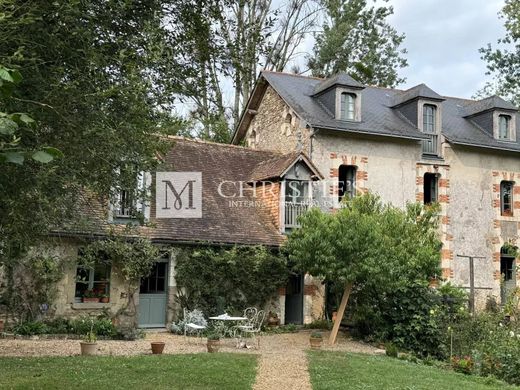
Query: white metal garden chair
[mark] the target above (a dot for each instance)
(193, 323)
(253, 329)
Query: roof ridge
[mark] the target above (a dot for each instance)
(213, 143)
(294, 74)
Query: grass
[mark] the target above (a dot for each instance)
(194, 371)
(339, 370)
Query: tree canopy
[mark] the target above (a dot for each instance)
(368, 243)
(92, 73)
(358, 39)
(504, 62)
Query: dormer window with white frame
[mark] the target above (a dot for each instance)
(430, 127)
(347, 106)
(125, 206)
(504, 127)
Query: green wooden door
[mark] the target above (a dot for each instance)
(153, 295)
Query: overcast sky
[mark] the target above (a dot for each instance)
(443, 38)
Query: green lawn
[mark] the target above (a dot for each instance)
(338, 370)
(197, 371)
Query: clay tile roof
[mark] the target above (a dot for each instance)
(222, 222)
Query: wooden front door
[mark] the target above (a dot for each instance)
(153, 297)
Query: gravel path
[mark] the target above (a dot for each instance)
(282, 361)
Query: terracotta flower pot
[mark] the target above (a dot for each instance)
(334, 316)
(1, 326)
(90, 300)
(104, 300)
(157, 347)
(88, 349)
(315, 342)
(213, 345)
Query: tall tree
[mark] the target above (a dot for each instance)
(367, 245)
(358, 39)
(504, 63)
(228, 43)
(92, 73)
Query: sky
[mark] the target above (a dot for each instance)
(443, 38)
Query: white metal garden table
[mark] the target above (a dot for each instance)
(226, 318)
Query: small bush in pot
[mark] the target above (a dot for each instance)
(90, 297)
(213, 342)
(316, 340)
(89, 344)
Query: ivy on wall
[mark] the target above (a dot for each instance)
(132, 259)
(217, 280)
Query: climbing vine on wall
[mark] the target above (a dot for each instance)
(133, 259)
(228, 279)
(31, 284)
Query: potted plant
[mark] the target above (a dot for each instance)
(157, 347)
(213, 342)
(104, 298)
(273, 319)
(89, 343)
(316, 339)
(90, 296)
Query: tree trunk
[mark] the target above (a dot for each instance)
(341, 312)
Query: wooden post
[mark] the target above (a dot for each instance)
(341, 312)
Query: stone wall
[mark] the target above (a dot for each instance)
(277, 127)
(475, 224)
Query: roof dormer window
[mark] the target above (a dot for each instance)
(504, 127)
(348, 106)
(429, 112)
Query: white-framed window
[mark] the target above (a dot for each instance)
(504, 127)
(429, 113)
(92, 282)
(506, 198)
(126, 206)
(347, 106)
(431, 145)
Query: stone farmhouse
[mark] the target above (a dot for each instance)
(312, 141)
(235, 211)
(407, 146)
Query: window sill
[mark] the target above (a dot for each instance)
(91, 306)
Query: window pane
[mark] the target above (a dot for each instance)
(296, 191)
(429, 118)
(503, 127)
(506, 197)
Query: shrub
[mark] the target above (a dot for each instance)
(415, 317)
(240, 277)
(101, 326)
(30, 328)
(391, 350)
(316, 335)
(319, 324)
(462, 364)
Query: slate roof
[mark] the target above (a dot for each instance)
(419, 91)
(338, 79)
(379, 118)
(489, 103)
(221, 222)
